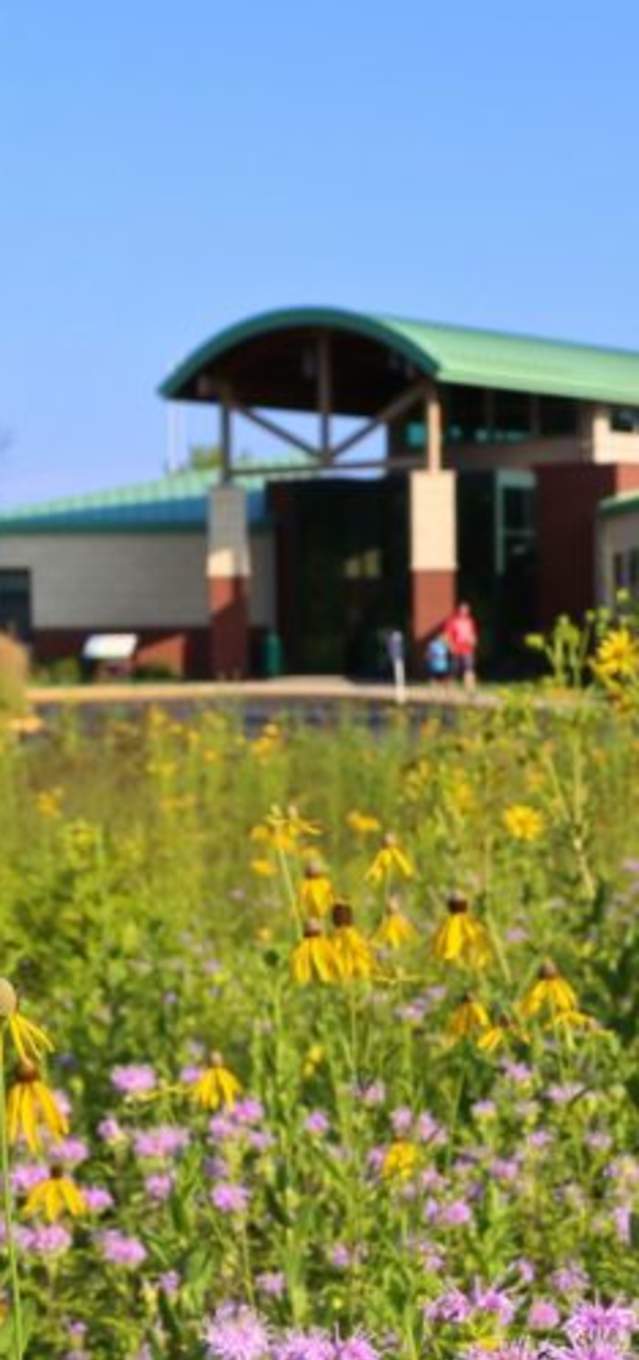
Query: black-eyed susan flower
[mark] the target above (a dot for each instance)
(468, 1018)
(216, 1086)
(32, 1107)
(400, 1160)
(30, 1041)
(551, 993)
(390, 859)
(316, 891)
(362, 823)
(394, 930)
(314, 958)
(353, 954)
(56, 1196)
(461, 938)
(500, 1032)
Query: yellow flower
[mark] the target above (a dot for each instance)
(316, 892)
(216, 1086)
(55, 1196)
(395, 930)
(30, 1041)
(617, 656)
(468, 1017)
(30, 1106)
(461, 938)
(400, 1160)
(48, 802)
(291, 823)
(266, 835)
(312, 1061)
(551, 993)
(263, 867)
(523, 822)
(497, 1034)
(314, 959)
(362, 823)
(389, 858)
(353, 954)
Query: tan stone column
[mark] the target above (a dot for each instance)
(228, 575)
(433, 555)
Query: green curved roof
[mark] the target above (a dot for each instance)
(452, 354)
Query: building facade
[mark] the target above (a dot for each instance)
(505, 462)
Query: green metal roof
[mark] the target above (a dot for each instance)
(452, 354)
(174, 504)
(619, 505)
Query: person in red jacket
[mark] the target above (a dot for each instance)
(462, 638)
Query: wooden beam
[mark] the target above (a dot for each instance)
(394, 408)
(279, 431)
(403, 464)
(433, 428)
(226, 436)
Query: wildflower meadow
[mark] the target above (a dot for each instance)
(319, 1044)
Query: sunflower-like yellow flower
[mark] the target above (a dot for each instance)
(31, 1106)
(30, 1041)
(55, 1196)
(499, 1033)
(263, 867)
(523, 823)
(316, 891)
(400, 1160)
(390, 858)
(276, 838)
(461, 938)
(394, 930)
(617, 656)
(290, 822)
(362, 823)
(551, 993)
(468, 1018)
(216, 1086)
(353, 954)
(314, 1058)
(314, 958)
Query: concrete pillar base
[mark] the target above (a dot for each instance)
(228, 577)
(433, 556)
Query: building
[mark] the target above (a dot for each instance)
(507, 476)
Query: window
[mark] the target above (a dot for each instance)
(364, 566)
(625, 419)
(557, 415)
(15, 601)
(619, 567)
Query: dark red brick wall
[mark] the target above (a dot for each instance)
(567, 501)
(432, 602)
(186, 651)
(228, 603)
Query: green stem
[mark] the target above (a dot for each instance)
(18, 1334)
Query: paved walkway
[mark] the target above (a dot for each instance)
(296, 689)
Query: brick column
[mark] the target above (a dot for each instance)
(228, 578)
(433, 555)
(567, 499)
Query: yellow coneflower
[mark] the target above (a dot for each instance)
(400, 1160)
(570, 1020)
(30, 1041)
(313, 1059)
(390, 858)
(394, 930)
(468, 1017)
(353, 954)
(362, 823)
(499, 1033)
(216, 1086)
(263, 867)
(290, 822)
(278, 839)
(55, 1196)
(551, 993)
(314, 958)
(461, 938)
(32, 1106)
(316, 891)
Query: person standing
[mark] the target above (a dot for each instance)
(462, 637)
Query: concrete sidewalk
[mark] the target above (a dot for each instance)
(294, 688)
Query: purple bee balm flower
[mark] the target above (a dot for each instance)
(539, 1138)
(305, 1346)
(562, 1095)
(341, 1256)
(63, 1103)
(23, 1178)
(248, 1111)
(169, 1283)
(504, 1169)
(190, 1074)
(163, 1141)
(569, 1279)
(622, 1219)
(134, 1079)
(121, 1250)
(159, 1186)
(221, 1127)
(453, 1306)
(356, 1348)
(495, 1302)
(49, 1240)
(484, 1109)
(600, 1322)
(71, 1151)
(230, 1198)
(97, 1198)
(260, 1139)
(427, 1127)
(271, 1283)
(516, 1071)
(110, 1131)
(375, 1094)
(236, 1334)
(543, 1316)
(401, 1119)
(316, 1122)
(455, 1215)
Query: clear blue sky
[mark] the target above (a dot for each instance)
(166, 169)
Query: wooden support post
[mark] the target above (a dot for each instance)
(226, 436)
(433, 428)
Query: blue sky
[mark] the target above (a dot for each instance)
(167, 169)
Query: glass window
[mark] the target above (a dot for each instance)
(557, 415)
(15, 601)
(619, 570)
(624, 419)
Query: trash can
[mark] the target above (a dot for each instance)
(272, 657)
